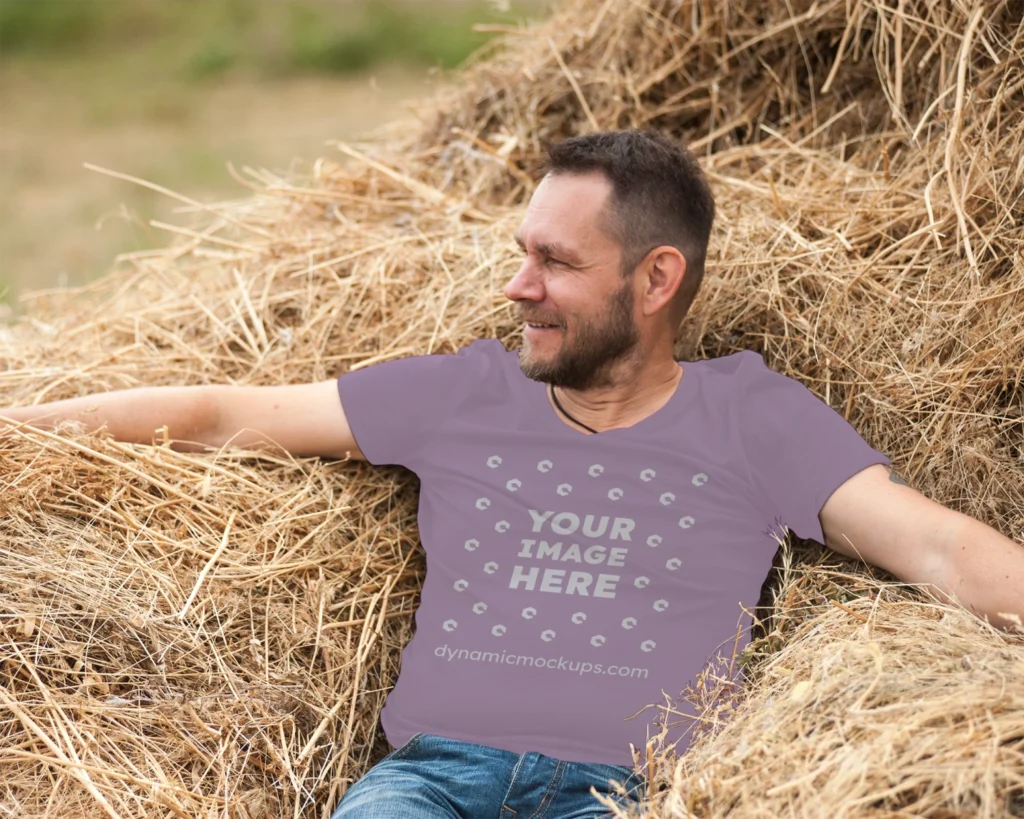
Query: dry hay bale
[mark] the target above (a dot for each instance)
(884, 705)
(214, 635)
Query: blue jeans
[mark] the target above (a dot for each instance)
(432, 777)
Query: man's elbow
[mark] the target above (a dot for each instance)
(985, 573)
(200, 426)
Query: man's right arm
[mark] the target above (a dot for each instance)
(301, 419)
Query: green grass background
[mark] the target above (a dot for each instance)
(199, 39)
(170, 90)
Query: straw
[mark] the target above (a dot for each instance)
(189, 634)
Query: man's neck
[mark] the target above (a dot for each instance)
(625, 403)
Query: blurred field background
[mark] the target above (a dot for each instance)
(169, 91)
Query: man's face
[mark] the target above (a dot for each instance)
(570, 278)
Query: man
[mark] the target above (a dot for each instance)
(594, 513)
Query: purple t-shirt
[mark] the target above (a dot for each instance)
(572, 578)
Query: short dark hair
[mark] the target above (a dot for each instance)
(659, 197)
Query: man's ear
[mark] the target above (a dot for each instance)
(663, 270)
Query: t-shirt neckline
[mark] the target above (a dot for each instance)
(537, 392)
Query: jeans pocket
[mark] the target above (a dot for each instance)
(404, 749)
(636, 786)
(633, 781)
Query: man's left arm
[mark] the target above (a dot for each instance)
(877, 517)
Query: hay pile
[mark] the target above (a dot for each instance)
(214, 635)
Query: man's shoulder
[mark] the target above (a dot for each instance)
(490, 347)
(745, 374)
(731, 364)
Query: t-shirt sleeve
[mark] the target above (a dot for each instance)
(395, 408)
(798, 449)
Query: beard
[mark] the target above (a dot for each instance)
(595, 349)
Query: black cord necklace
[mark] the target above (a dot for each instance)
(554, 397)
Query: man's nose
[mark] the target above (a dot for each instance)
(525, 285)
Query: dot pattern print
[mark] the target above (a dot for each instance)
(516, 550)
